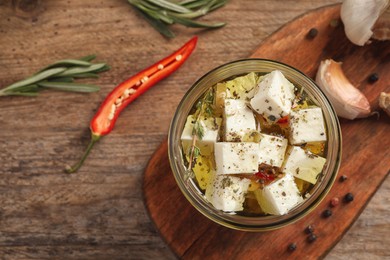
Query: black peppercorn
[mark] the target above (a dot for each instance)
(292, 247)
(327, 213)
(373, 78)
(348, 197)
(309, 229)
(312, 33)
(311, 238)
(272, 118)
(343, 178)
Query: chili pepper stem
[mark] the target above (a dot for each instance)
(74, 168)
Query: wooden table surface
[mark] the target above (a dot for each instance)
(99, 212)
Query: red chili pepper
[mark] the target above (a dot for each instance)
(283, 120)
(265, 176)
(104, 120)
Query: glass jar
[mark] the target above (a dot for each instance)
(196, 196)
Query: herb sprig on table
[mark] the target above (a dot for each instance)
(162, 13)
(59, 76)
(204, 108)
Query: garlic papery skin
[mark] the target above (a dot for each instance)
(360, 16)
(347, 100)
(384, 102)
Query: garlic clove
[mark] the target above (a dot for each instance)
(384, 102)
(347, 100)
(360, 16)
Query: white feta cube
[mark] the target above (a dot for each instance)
(227, 193)
(233, 158)
(239, 120)
(279, 197)
(272, 150)
(273, 96)
(303, 164)
(211, 128)
(307, 125)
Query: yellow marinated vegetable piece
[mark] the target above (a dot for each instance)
(261, 200)
(316, 147)
(251, 205)
(301, 105)
(237, 88)
(253, 137)
(253, 186)
(203, 170)
(302, 185)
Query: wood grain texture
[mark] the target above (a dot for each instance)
(192, 236)
(99, 213)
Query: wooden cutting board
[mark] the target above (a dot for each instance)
(365, 159)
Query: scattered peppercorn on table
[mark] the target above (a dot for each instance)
(99, 212)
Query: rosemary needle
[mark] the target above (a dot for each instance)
(204, 108)
(59, 75)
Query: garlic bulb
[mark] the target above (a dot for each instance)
(347, 100)
(384, 102)
(360, 17)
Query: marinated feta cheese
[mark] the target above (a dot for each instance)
(272, 150)
(232, 158)
(279, 197)
(210, 128)
(248, 162)
(239, 120)
(307, 125)
(273, 96)
(227, 193)
(303, 164)
(237, 88)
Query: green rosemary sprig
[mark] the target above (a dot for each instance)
(204, 108)
(162, 13)
(59, 76)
